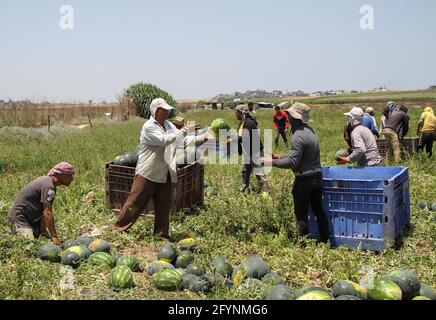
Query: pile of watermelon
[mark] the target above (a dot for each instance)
(430, 205)
(95, 252)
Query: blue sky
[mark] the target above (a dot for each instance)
(199, 48)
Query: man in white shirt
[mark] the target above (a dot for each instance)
(156, 169)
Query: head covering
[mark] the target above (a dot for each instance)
(277, 107)
(429, 110)
(62, 167)
(404, 108)
(241, 108)
(369, 110)
(159, 103)
(300, 111)
(356, 115)
(391, 106)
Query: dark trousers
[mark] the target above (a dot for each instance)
(307, 191)
(280, 132)
(142, 191)
(426, 140)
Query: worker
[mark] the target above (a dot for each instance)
(32, 213)
(304, 161)
(281, 125)
(427, 131)
(396, 128)
(369, 121)
(364, 146)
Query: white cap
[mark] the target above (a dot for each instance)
(369, 110)
(355, 113)
(159, 103)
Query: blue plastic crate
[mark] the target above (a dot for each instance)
(367, 207)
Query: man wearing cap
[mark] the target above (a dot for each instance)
(32, 215)
(281, 125)
(396, 128)
(251, 148)
(369, 121)
(364, 146)
(156, 169)
(304, 161)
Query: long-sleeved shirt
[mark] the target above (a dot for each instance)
(281, 120)
(369, 122)
(428, 121)
(365, 150)
(304, 154)
(157, 153)
(399, 122)
(249, 142)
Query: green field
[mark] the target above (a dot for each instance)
(231, 225)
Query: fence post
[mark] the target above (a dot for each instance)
(89, 119)
(48, 118)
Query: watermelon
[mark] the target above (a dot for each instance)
(278, 292)
(167, 279)
(427, 291)
(273, 279)
(50, 252)
(186, 280)
(407, 281)
(221, 266)
(121, 277)
(195, 269)
(218, 279)
(102, 259)
(115, 258)
(129, 261)
(217, 125)
(81, 250)
(100, 245)
(433, 206)
(188, 244)
(422, 204)
(85, 240)
(128, 159)
(253, 267)
(251, 284)
(157, 266)
(71, 259)
(308, 288)
(343, 153)
(384, 289)
(347, 297)
(315, 295)
(184, 259)
(349, 288)
(167, 253)
(200, 284)
(70, 243)
(421, 298)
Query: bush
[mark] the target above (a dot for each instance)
(142, 94)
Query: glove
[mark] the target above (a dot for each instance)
(342, 160)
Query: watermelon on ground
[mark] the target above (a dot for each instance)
(85, 240)
(184, 259)
(427, 291)
(102, 259)
(157, 266)
(195, 269)
(273, 279)
(71, 259)
(100, 245)
(384, 289)
(347, 297)
(308, 288)
(187, 244)
(121, 277)
(70, 243)
(278, 292)
(82, 250)
(167, 253)
(350, 288)
(50, 252)
(407, 281)
(167, 279)
(221, 266)
(315, 295)
(129, 261)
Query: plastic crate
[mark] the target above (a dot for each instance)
(409, 146)
(366, 207)
(187, 191)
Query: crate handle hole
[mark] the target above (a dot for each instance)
(386, 219)
(386, 199)
(386, 182)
